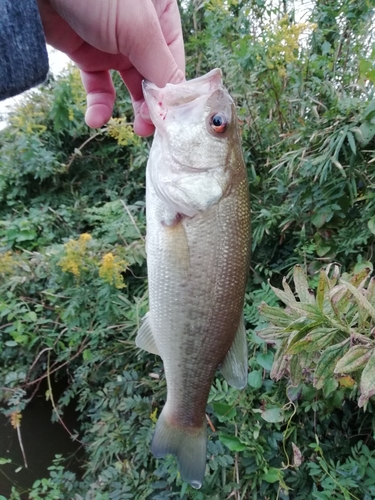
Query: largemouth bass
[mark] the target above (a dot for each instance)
(198, 247)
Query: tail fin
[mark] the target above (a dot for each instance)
(188, 445)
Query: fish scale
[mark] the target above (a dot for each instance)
(198, 250)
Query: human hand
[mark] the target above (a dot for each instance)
(141, 39)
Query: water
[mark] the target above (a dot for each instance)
(41, 439)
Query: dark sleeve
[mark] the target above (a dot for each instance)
(23, 52)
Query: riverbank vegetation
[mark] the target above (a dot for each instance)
(73, 282)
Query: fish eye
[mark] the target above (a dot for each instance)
(219, 123)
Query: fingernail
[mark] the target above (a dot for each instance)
(178, 77)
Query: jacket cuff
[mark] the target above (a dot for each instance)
(23, 52)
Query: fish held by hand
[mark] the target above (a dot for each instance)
(198, 252)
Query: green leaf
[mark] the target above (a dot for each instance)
(361, 299)
(302, 332)
(265, 360)
(272, 475)
(320, 218)
(364, 66)
(367, 384)
(300, 324)
(302, 285)
(326, 47)
(322, 247)
(11, 343)
(334, 276)
(316, 340)
(273, 415)
(329, 386)
(339, 166)
(284, 296)
(87, 355)
(369, 112)
(241, 47)
(20, 339)
(274, 314)
(327, 363)
(363, 264)
(32, 316)
(354, 359)
(371, 292)
(370, 75)
(294, 392)
(295, 370)
(340, 301)
(306, 359)
(351, 141)
(288, 290)
(4, 461)
(371, 225)
(254, 337)
(296, 307)
(255, 379)
(232, 442)
(272, 333)
(280, 362)
(183, 489)
(323, 285)
(224, 412)
(365, 132)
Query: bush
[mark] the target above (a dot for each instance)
(73, 277)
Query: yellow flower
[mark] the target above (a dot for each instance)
(7, 263)
(154, 416)
(75, 252)
(284, 43)
(15, 419)
(78, 94)
(111, 268)
(121, 131)
(26, 119)
(85, 237)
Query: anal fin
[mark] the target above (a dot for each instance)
(235, 365)
(145, 338)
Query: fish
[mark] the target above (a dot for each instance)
(198, 253)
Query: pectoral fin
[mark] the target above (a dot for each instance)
(234, 367)
(145, 339)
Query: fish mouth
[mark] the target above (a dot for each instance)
(148, 87)
(160, 100)
(196, 87)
